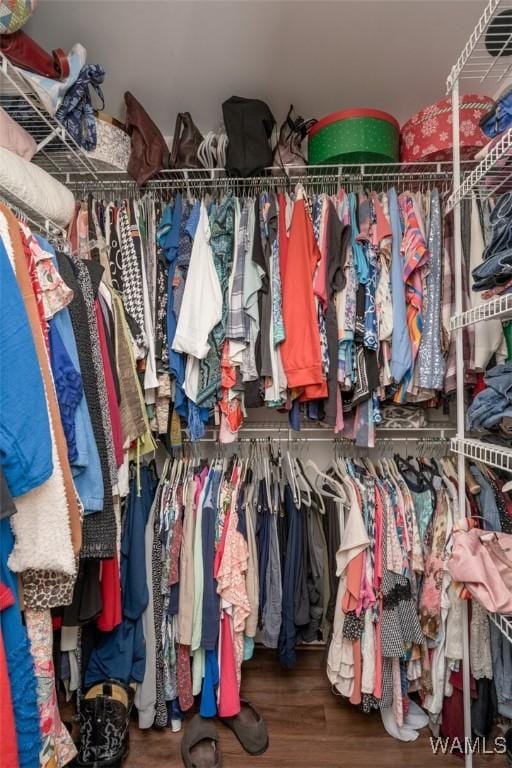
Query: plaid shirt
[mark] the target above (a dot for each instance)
(236, 326)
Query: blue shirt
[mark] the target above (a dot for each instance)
(401, 352)
(86, 467)
(25, 439)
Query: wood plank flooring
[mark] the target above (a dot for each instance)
(308, 727)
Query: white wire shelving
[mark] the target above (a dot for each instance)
(57, 152)
(499, 307)
(485, 59)
(493, 174)
(475, 62)
(366, 175)
(504, 624)
(488, 453)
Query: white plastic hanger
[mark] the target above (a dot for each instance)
(339, 494)
(303, 484)
(291, 478)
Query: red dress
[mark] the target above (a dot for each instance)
(8, 743)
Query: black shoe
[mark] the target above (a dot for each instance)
(104, 724)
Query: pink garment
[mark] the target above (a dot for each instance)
(113, 405)
(57, 747)
(367, 595)
(200, 481)
(480, 560)
(398, 709)
(219, 554)
(377, 565)
(229, 697)
(230, 572)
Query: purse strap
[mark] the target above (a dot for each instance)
(176, 139)
(61, 63)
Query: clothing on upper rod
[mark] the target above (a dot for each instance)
(321, 338)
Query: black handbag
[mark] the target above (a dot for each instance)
(249, 124)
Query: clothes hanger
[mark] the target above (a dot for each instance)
(448, 468)
(340, 494)
(393, 470)
(369, 465)
(303, 484)
(291, 478)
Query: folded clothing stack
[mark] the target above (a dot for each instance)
(495, 271)
(492, 407)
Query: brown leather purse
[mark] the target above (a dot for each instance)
(186, 141)
(24, 52)
(149, 152)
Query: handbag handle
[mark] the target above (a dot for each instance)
(176, 139)
(61, 63)
(99, 92)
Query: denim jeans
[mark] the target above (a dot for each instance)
(492, 404)
(496, 266)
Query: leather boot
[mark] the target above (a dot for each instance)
(104, 725)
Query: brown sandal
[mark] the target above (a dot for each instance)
(199, 745)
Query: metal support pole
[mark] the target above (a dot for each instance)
(459, 346)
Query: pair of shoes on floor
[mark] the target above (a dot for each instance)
(199, 745)
(104, 725)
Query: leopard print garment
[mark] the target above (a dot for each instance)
(47, 589)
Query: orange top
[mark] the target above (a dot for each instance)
(300, 351)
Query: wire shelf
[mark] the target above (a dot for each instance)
(487, 453)
(57, 152)
(475, 62)
(492, 175)
(500, 307)
(316, 177)
(504, 624)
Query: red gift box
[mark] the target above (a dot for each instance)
(427, 136)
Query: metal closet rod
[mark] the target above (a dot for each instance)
(337, 169)
(309, 175)
(306, 440)
(261, 183)
(45, 227)
(285, 430)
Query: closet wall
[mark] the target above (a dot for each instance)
(202, 52)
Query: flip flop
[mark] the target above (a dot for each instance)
(249, 728)
(199, 748)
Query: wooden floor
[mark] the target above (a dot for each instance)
(308, 727)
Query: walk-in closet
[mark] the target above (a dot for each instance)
(255, 383)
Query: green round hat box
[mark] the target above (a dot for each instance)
(354, 136)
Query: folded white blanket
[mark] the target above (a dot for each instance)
(36, 188)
